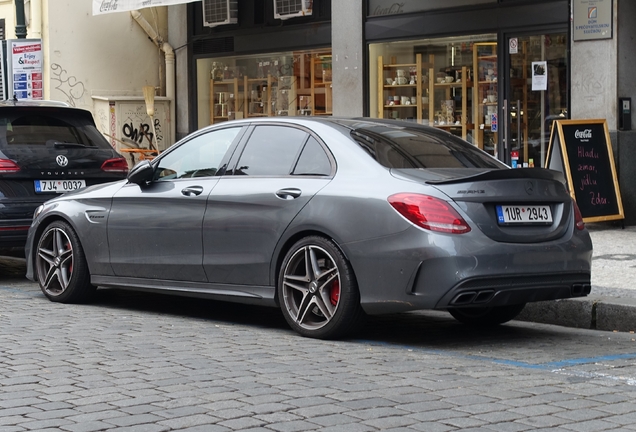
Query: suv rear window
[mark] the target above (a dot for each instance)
(50, 126)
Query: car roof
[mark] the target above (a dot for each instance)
(349, 123)
(33, 103)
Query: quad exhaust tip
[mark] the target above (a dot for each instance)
(473, 297)
(484, 296)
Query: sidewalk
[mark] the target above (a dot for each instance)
(612, 303)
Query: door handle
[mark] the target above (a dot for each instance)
(192, 191)
(288, 193)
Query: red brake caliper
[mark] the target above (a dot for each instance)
(335, 292)
(70, 269)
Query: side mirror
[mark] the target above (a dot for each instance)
(141, 173)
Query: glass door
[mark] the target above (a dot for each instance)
(536, 94)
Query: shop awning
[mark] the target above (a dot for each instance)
(108, 6)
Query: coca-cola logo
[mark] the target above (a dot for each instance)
(583, 134)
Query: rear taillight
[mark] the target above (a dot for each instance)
(115, 165)
(429, 213)
(8, 166)
(578, 218)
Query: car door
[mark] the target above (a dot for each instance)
(154, 230)
(279, 170)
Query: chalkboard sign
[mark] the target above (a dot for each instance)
(582, 150)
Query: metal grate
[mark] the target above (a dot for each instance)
(220, 12)
(211, 46)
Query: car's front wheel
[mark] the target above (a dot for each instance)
(61, 266)
(486, 315)
(317, 290)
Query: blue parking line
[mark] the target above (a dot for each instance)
(513, 363)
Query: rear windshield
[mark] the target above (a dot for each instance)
(419, 147)
(40, 126)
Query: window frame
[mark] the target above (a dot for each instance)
(233, 163)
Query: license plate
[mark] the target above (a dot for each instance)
(59, 186)
(524, 214)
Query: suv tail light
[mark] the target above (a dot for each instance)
(8, 166)
(578, 218)
(429, 213)
(115, 165)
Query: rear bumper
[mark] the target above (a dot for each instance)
(416, 270)
(500, 291)
(13, 233)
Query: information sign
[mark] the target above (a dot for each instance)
(24, 57)
(582, 150)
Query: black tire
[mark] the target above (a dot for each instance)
(60, 265)
(486, 315)
(318, 292)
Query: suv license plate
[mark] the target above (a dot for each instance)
(523, 214)
(59, 186)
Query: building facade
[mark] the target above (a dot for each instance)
(101, 63)
(498, 73)
(495, 72)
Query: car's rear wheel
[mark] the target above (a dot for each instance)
(486, 315)
(318, 291)
(61, 266)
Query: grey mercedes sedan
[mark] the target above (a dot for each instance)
(329, 219)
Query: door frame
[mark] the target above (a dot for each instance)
(504, 89)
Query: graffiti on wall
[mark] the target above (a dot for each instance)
(137, 127)
(72, 89)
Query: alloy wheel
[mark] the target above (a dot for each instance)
(311, 287)
(54, 261)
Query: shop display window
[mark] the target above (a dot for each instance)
(437, 82)
(264, 85)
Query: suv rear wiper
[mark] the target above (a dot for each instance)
(61, 144)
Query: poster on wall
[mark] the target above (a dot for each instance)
(110, 6)
(539, 76)
(592, 19)
(24, 59)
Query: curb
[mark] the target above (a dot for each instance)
(596, 313)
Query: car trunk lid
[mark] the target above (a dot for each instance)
(486, 195)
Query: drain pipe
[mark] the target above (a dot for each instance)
(20, 20)
(170, 66)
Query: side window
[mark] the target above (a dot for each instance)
(271, 151)
(199, 157)
(313, 160)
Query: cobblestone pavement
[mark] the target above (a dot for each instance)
(140, 362)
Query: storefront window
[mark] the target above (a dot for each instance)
(450, 83)
(276, 84)
(455, 84)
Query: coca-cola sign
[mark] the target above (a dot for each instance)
(583, 134)
(582, 150)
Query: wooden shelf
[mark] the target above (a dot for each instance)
(321, 92)
(224, 95)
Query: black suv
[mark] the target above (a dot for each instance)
(47, 148)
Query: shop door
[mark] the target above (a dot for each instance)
(536, 94)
